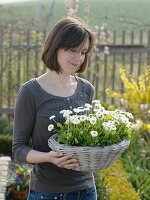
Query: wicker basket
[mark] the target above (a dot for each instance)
(90, 158)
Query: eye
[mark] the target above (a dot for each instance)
(72, 50)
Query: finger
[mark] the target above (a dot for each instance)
(64, 159)
(71, 161)
(71, 166)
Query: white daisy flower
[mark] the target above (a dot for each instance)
(77, 110)
(88, 105)
(130, 115)
(110, 122)
(96, 110)
(93, 120)
(113, 128)
(106, 128)
(66, 112)
(50, 127)
(83, 118)
(86, 109)
(97, 105)
(101, 108)
(94, 133)
(74, 117)
(99, 115)
(81, 107)
(124, 120)
(76, 121)
(129, 125)
(96, 101)
(67, 121)
(63, 111)
(52, 117)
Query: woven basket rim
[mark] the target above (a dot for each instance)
(105, 148)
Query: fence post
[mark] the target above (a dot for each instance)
(114, 66)
(1, 68)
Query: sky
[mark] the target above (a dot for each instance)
(13, 1)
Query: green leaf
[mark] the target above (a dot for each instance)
(59, 124)
(76, 141)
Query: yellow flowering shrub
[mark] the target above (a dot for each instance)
(136, 97)
(115, 180)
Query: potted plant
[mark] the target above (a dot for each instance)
(93, 135)
(18, 181)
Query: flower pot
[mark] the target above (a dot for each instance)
(20, 195)
(90, 158)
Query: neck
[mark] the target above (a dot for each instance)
(59, 79)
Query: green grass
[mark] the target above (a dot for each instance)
(101, 11)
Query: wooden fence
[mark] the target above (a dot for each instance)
(20, 61)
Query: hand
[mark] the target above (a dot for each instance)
(62, 161)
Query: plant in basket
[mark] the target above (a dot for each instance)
(99, 135)
(18, 182)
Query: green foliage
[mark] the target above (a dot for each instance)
(102, 190)
(111, 12)
(5, 126)
(115, 180)
(108, 106)
(136, 162)
(5, 144)
(92, 125)
(18, 179)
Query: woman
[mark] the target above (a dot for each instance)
(65, 52)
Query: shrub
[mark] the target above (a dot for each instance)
(5, 144)
(5, 126)
(137, 163)
(115, 180)
(136, 97)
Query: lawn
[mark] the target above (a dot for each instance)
(118, 14)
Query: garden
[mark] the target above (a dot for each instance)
(120, 73)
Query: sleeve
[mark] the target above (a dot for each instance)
(24, 119)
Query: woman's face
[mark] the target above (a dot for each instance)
(71, 59)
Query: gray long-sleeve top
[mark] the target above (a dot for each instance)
(33, 108)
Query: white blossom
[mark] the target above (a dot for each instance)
(88, 105)
(110, 122)
(94, 133)
(112, 127)
(99, 115)
(83, 118)
(86, 109)
(50, 127)
(97, 105)
(93, 120)
(77, 110)
(96, 101)
(52, 117)
(76, 121)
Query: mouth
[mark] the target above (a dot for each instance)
(74, 64)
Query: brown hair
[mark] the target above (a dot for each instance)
(66, 33)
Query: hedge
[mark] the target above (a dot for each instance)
(5, 144)
(116, 184)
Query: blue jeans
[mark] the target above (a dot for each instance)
(85, 194)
